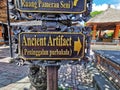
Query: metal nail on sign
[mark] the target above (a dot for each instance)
(51, 6)
(51, 45)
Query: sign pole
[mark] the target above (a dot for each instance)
(9, 31)
(52, 77)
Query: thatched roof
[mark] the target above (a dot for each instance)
(106, 20)
(3, 11)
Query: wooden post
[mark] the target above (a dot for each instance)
(94, 32)
(0, 31)
(52, 77)
(100, 33)
(1, 37)
(116, 32)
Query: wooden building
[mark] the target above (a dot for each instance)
(3, 21)
(107, 20)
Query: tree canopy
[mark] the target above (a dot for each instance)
(93, 14)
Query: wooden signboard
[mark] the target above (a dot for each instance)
(51, 6)
(51, 45)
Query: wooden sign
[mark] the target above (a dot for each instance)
(51, 45)
(51, 6)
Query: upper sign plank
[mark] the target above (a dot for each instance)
(51, 6)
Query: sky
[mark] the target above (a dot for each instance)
(99, 5)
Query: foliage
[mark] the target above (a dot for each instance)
(93, 14)
(61, 88)
(119, 34)
(110, 34)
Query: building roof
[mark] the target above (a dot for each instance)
(106, 20)
(108, 16)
